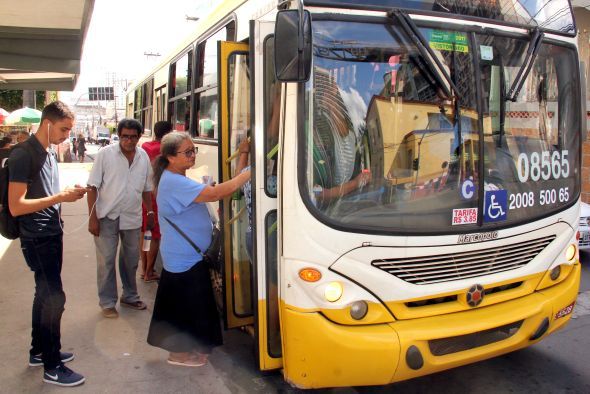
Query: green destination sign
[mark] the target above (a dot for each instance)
(448, 41)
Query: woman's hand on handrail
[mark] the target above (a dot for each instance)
(244, 149)
(222, 190)
(239, 150)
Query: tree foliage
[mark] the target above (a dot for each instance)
(52, 96)
(39, 99)
(11, 100)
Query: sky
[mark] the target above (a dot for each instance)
(122, 30)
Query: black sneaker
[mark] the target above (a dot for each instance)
(63, 376)
(37, 361)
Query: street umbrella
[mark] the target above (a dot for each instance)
(23, 116)
(3, 114)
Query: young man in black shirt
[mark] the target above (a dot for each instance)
(5, 145)
(34, 197)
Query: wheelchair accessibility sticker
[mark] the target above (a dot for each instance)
(496, 206)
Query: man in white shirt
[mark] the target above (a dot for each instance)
(120, 179)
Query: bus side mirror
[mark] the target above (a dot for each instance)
(293, 49)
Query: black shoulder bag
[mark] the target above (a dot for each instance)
(211, 255)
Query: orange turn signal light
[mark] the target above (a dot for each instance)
(310, 275)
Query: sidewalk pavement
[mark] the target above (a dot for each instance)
(114, 357)
(112, 354)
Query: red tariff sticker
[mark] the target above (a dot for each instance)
(464, 216)
(565, 311)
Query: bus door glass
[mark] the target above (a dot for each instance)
(266, 222)
(234, 95)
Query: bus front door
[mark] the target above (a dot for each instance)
(266, 120)
(260, 123)
(234, 121)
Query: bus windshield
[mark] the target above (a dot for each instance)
(385, 150)
(554, 15)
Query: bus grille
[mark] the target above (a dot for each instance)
(455, 266)
(441, 347)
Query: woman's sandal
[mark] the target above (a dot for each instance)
(193, 360)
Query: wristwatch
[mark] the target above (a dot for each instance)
(150, 213)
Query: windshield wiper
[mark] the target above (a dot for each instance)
(434, 65)
(525, 68)
(502, 102)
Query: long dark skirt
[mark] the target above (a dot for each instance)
(185, 315)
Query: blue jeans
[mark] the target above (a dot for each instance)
(107, 244)
(44, 256)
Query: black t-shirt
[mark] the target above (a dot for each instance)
(4, 153)
(45, 222)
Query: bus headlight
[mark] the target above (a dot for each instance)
(358, 310)
(570, 252)
(333, 291)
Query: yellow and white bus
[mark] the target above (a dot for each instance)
(416, 182)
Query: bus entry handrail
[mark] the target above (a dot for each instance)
(269, 155)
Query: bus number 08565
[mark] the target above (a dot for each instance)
(543, 166)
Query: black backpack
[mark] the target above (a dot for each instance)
(8, 223)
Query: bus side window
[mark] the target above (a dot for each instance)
(272, 110)
(180, 97)
(206, 89)
(147, 106)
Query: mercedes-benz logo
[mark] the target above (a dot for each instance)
(475, 295)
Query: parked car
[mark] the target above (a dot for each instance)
(114, 138)
(584, 243)
(103, 140)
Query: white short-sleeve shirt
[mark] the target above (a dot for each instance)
(120, 185)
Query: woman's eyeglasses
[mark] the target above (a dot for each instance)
(189, 152)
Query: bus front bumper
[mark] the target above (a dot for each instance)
(320, 353)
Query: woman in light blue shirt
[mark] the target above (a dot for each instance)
(185, 320)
